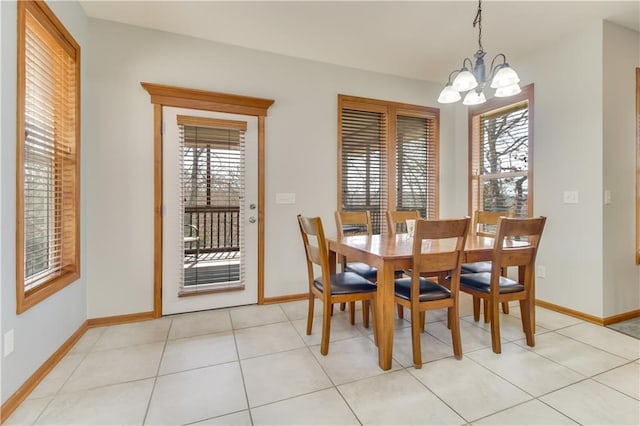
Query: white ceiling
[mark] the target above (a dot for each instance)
(417, 39)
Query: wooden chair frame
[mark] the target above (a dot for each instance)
(318, 254)
(505, 255)
(481, 218)
(399, 217)
(359, 218)
(436, 264)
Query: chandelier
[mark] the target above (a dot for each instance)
(472, 78)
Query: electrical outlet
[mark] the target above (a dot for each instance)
(541, 271)
(8, 343)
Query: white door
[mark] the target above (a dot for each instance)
(209, 251)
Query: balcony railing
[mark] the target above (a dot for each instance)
(218, 229)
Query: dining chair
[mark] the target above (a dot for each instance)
(398, 219)
(355, 223)
(329, 288)
(420, 294)
(516, 244)
(484, 225)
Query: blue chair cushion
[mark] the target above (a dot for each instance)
(473, 268)
(362, 269)
(481, 281)
(346, 283)
(429, 290)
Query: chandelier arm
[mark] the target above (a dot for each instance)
(464, 62)
(451, 75)
(494, 68)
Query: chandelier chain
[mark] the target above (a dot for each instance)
(478, 21)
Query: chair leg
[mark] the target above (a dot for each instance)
(375, 323)
(310, 313)
(343, 306)
(365, 313)
(400, 311)
(487, 311)
(332, 309)
(352, 312)
(476, 308)
(527, 322)
(415, 337)
(423, 318)
(326, 328)
(454, 325)
(505, 305)
(495, 326)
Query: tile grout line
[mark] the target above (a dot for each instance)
(244, 382)
(155, 379)
(57, 392)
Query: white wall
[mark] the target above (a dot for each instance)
(41, 330)
(301, 158)
(621, 274)
(567, 155)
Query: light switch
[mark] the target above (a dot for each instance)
(570, 197)
(607, 196)
(285, 198)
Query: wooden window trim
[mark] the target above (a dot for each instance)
(45, 16)
(494, 104)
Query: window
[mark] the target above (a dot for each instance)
(48, 123)
(500, 154)
(387, 158)
(212, 187)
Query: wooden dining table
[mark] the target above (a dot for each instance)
(389, 254)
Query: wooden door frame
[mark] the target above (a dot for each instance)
(179, 97)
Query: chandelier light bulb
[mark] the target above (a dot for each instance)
(505, 76)
(503, 92)
(464, 81)
(474, 98)
(449, 95)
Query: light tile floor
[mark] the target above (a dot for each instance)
(255, 365)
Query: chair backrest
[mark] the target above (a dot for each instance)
(315, 248)
(517, 242)
(485, 223)
(449, 236)
(398, 218)
(353, 223)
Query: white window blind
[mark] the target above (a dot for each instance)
(500, 160)
(416, 166)
(387, 158)
(212, 183)
(49, 156)
(364, 171)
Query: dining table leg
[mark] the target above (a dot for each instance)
(385, 315)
